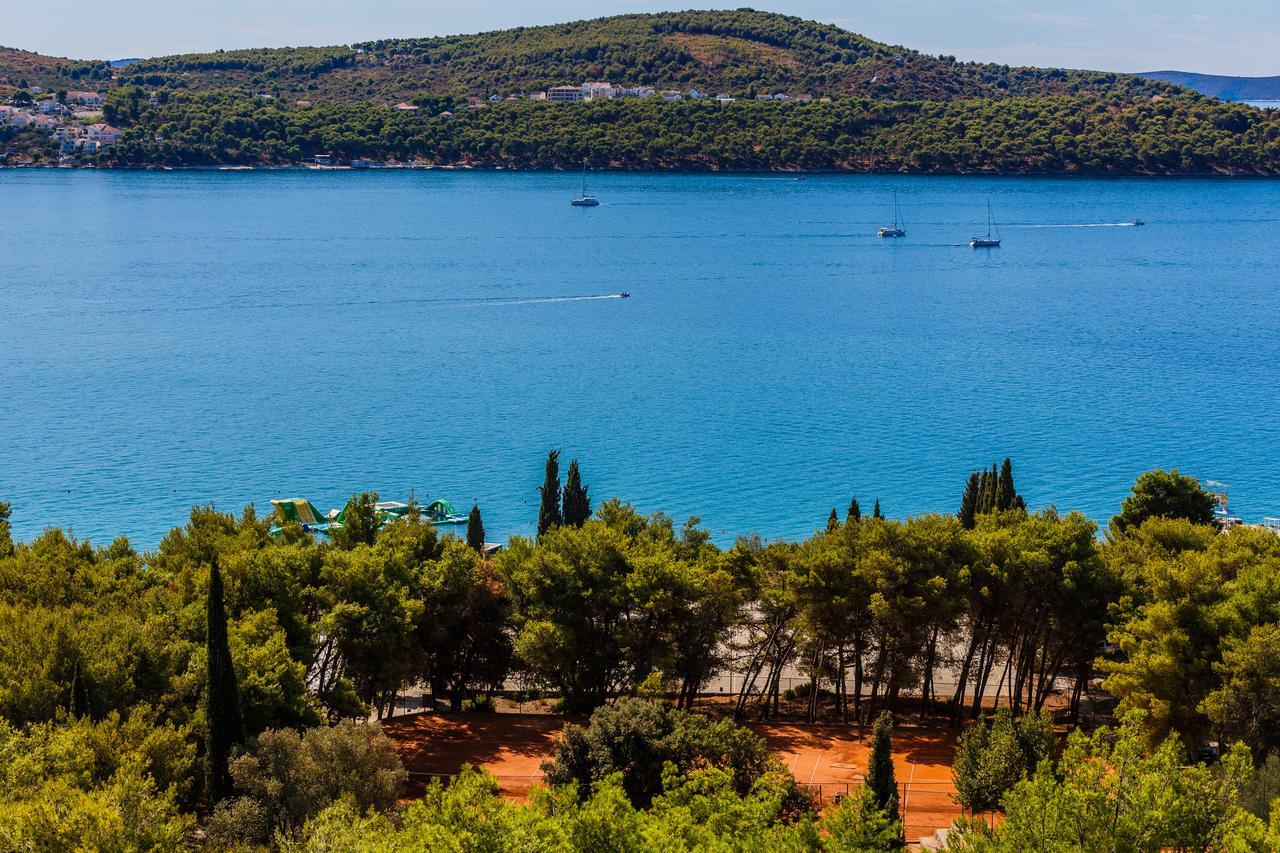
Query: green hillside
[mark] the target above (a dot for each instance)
(741, 52)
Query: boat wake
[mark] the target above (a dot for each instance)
(451, 302)
(1080, 225)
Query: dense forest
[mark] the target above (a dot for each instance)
(739, 52)
(211, 693)
(1042, 135)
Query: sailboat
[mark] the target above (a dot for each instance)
(585, 200)
(897, 230)
(990, 241)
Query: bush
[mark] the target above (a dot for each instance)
(482, 704)
(638, 739)
(286, 779)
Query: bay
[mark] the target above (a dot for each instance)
(172, 339)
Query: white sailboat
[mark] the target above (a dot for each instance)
(992, 240)
(585, 200)
(897, 230)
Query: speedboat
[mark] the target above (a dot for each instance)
(1137, 222)
(626, 294)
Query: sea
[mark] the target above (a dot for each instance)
(171, 339)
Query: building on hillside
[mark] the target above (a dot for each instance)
(564, 94)
(671, 96)
(53, 108)
(325, 160)
(695, 95)
(103, 134)
(45, 123)
(725, 99)
(538, 96)
(89, 99)
(406, 107)
(305, 103)
(597, 91)
(804, 99)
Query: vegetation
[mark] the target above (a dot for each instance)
(1165, 494)
(888, 109)
(740, 51)
(1108, 793)
(121, 676)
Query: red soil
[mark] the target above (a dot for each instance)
(830, 760)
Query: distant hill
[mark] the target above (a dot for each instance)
(741, 52)
(1218, 86)
(24, 69)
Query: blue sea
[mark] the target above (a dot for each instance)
(171, 339)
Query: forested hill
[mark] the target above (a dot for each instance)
(740, 52)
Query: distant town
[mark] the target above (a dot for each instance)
(68, 117)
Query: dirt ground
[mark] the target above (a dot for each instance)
(828, 759)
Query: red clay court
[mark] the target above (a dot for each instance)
(828, 759)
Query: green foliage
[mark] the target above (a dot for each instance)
(475, 529)
(1079, 134)
(639, 739)
(577, 504)
(1188, 611)
(1246, 704)
(1164, 494)
(740, 51)
(881, 781)
(549, 513)
(360, 522)
(1108, 793)
(285, 779)
(992, 758)
(223, 719)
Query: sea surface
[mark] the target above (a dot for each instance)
(171, 339)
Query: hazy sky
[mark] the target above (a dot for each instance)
(1213, 36)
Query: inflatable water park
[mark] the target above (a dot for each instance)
(304, 513)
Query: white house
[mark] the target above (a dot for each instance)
(671, 96)
(694, 94)
(89, 99)
(103, 134)
(52, 108)
(564, 94)
(597, 90)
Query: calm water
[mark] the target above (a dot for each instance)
(171, 339)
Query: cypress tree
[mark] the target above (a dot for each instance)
(223, 720)
(875, 513)
(833, 521)
(986, 493)
(880, 777)
(577, 503)
(475, 529)
(969, 503)
(855, 511)
(549, 512)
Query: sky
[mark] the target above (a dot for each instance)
(1238, 37)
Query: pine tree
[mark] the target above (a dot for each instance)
(577, 503)
(875, 513)
(475, 529)
(969, 502)
(549, 513)
(833, 521)
(223, 720)
(855, 511)
(880, 777)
